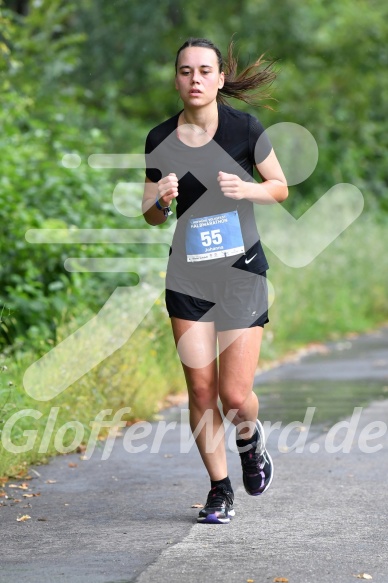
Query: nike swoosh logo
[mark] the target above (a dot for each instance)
(251, 259)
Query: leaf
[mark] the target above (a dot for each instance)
(363, 576)
(23, 518)
(197, 506)
(280, 580)
(31, 495)
(22, 475)
(72, 465)
(250, 580)
(50, 481)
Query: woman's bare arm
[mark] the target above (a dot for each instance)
(164, 191)
(272, 189)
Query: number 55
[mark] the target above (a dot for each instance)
(209, 237)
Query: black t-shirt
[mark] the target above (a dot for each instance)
(238, 144)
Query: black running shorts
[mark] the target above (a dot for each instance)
(234, 304)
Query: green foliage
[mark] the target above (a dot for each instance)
(332, 60)
(139, 376)
(129, 53)
(40, 121)
(339, 292)
(332, 81)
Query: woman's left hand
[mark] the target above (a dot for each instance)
(231, 185)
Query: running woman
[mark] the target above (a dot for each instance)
(216, 295)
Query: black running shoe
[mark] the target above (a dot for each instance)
(256, 464)
(219, 506)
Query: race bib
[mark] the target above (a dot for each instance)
(214, 237)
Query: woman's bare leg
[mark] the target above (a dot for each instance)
(196, 344)
(237, 365)
(239, 355)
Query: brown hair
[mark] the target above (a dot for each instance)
(252, 79)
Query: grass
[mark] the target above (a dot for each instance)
(139, 375)
(343, 290)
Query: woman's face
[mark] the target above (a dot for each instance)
(198, 78)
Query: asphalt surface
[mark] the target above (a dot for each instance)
(129, 518)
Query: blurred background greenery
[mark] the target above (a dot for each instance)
(94, 76)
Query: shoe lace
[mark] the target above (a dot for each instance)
(252, 459)
(218, 495)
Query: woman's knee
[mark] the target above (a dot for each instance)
(203, 396)
(235, 401)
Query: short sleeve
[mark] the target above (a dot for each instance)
(151, 172)
(259, 143)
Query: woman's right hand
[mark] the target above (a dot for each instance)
(168, 189)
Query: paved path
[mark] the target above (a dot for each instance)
(129, 518)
